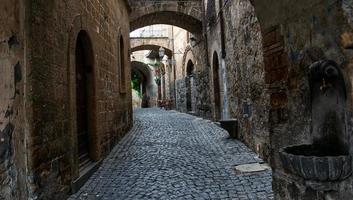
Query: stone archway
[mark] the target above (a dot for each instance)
(151, 47)
(216, 87)
(84, 98)
(185, 14)
(151, 43)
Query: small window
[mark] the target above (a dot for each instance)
(122, 65)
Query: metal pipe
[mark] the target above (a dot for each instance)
(221, 21)
(174, 65)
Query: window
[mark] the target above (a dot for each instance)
(122, 65)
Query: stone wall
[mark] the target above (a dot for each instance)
(303, 39)
(247, 91)
(202, 95)
(200, 91)
(269, 82)
(52, 140)
(244, 96)
(12, 116)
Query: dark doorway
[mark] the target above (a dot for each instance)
(189, 83)
(216, 86)
(84, 98)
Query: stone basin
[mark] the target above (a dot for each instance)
(316, 163)
(231, 126)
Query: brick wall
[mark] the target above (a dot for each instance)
(54, 27)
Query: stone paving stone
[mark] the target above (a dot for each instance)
(172, 155)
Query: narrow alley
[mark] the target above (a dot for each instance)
(176, 99)
(173, 155)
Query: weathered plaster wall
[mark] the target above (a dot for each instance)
(180, 44)
(12, 118)
(52, 148)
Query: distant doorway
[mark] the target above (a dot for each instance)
(189, 85)
(84, 97)
(216, 86)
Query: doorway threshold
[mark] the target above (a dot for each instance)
(85, 174)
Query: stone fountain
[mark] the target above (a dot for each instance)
(326, 162)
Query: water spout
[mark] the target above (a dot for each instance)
(328, 95)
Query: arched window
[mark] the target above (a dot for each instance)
(122, 66)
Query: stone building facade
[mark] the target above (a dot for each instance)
(65, 97)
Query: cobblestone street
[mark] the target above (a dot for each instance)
(171, 155)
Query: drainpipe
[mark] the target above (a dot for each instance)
(204, 23)
(225, 112)
(174, 70)
(208, 65)
(221, 22)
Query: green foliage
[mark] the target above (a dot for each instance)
(135, 83)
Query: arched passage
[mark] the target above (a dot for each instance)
(84, 98)
(189, 85)
(147, 86)
(138, 83)
(216, 86)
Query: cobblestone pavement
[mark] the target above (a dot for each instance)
(171, 155)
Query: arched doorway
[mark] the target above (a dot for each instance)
(189, 84)
(84, 98)
(216, 86)
(144, 83)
